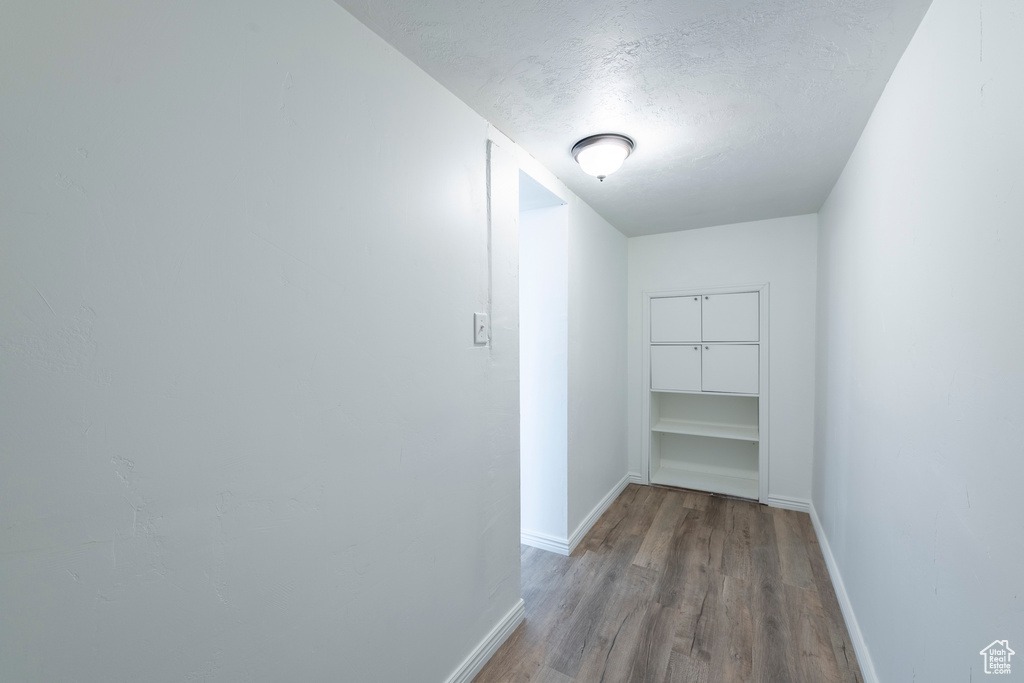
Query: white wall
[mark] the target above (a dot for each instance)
(920, 383)
(544, 372)
(597, 361)
(779, 251)
(245, 432)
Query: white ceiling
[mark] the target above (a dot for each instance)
(741, 109)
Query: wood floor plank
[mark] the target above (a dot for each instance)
(720, 526)
(616, 647)
(772, 657)
(602, 637)
(546, 675)
(654, 645)
(532, 640)
(715, 511)
(702, 619)
(732, 654)
(736, 552)
(623, 516)
(638, 524)
(654, 550)
(685, 571)
(515, 661)
(695, 604)
(842, 646)
(796, 568)
(676, 586)
(597, 609)
(816, 662)
(616, 512)
(541, 572)
(683, 669)
(696, 500)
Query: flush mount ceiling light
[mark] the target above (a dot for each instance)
(602, 155)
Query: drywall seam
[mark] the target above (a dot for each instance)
(590, 520)
(867, 667)
(471, 666)
(787, 503)
(490, 232)
(552, 544)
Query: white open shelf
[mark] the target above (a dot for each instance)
(706, 463)
(741, 484)
(712, 429)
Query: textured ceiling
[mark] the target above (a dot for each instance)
(741, 109)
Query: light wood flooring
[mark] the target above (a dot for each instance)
(672, 586)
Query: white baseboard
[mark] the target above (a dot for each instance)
(471, 666)
(787, 503)
(867, 667)
(552, 544)
(563, 546)
(636, 478)
(590, 520)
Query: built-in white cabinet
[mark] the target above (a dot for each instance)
(730, 317)
(676, 319)
(730, 368)
(676, 367)
(707, 360)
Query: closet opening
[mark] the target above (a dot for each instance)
(543, 364)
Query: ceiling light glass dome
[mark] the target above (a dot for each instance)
(602, 155)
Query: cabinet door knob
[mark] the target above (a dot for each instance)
(696, 348)
(706, 348)
(696, 298)
(705, 298)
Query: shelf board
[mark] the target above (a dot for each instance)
(712, 429)
(740, 486)
(701, 393)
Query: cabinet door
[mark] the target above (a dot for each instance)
(675, 368)
(675, 319)
(731, 368)
(731, 317)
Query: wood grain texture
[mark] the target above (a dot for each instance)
(675, 586)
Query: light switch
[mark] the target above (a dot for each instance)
(482, 328)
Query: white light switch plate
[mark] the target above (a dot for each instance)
(482, 328)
